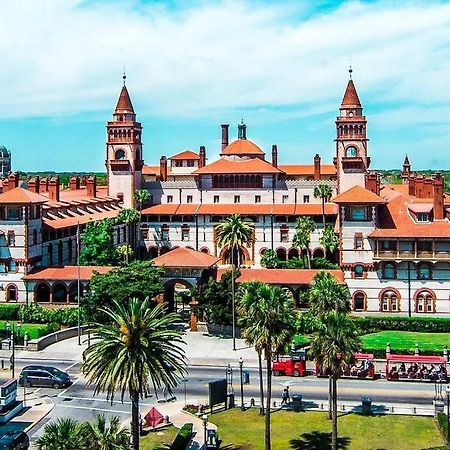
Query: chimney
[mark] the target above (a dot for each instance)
(202, 154)
(419, 186)
(43, 185)
(412, 184)
(163, 168)
(427, 188)
(6, 187)
(13, 180)
(225, 135)
(438, 196)
(83, 180)
(91, 186)
(373, 182)
(33, 184)
(74, 183)
(317, 167)
(274, 156)
(53, 189)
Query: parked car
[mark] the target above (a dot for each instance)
(44, 376)
(15, 440)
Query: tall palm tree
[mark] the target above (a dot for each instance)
(329, 240)
(302, 237)
(324, 192)
(104, 436)
(140, 197)
(140, 344)
(64, 434)
(246, 308)
(273, 327)
(128, 216)
(333, 347)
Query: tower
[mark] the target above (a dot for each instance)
(351, 159)
(124, 159)
(406, 170)
(5, 162)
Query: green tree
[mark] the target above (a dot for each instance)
(98, 247)
(302, 237)
(140, 344)
(125, 251)
(64, 434)
(333, 347)
(128, 216)
(104, 436)
(269, 259)
(324, 192)
(140, 196)
(329, 240)
(140, 279)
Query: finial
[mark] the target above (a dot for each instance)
(124, 77)
(350, 70)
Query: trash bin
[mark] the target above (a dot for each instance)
(366, 403)
(246, 377)
(230, 400)
(297, 402)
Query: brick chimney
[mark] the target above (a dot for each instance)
(74, 183)
(163, 168)
(91, 186)
(33, 184)
(438, 196)
(419, 186)
(202, 154)
(225, 135)
(274, 156)
(373, 182)
(13, 180)
(412, 184)
(427, 187)
(317, 167)
(6, 187)
(43, 185)
(53, 189)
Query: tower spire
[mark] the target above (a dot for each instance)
(124, 77)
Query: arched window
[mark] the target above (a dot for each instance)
(351, 152)
(424, 272)
(359, 301)
(390, 301)
(59, 293)
(424, 302)
(389, 271)
(11, 293)
(120, 154)
(359, 271)
(281, 253)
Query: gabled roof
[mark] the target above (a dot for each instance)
(20, 195)
(187, 154)
(185, 257)
(358, 195)
(242, 147)
(227, 166)
(124, 104)
(351, 99)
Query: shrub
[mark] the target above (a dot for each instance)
(183, 438)
(417, 324)
(322, 263)
(9, 312)
(442, 424)
(270, 260)
(67, 316)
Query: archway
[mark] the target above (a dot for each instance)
(281, 254)
(42, 293)
(177, 294)
(59, 293)
(293, 253)
(11, 293)
(240, 257)
(318, 253)
(73, 292)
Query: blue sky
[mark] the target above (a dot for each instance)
(192, 65)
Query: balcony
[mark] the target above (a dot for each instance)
(389, 255)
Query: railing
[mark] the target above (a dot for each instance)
(426, 255)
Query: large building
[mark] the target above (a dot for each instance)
(394, 240)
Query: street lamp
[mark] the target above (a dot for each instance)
(205, 425)
(241, 363)
(8, 330)
(447, 390)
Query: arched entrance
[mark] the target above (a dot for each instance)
(11, 293)
(240, 257)
(59, 293)
(177, 294)
(73, 292)
(42, 293)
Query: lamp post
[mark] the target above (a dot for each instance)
(241, 363)
(447, 391)
(205, 425)
(89, 298)
(233, 298)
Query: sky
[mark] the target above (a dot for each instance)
(192, 65)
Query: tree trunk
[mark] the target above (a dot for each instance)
(323, 212)
(334, 424)
(330, 395)
(269, 399)
(127, 227)
(135, 425)
(308, 258)
(261, 384)
(139, 232)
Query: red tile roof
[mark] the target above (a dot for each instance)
(22, 196)
(79, 219)
(187, 154)
(227, 166)
(358, 195)
(351, 99)
(307, 169)
(242, 147)
(124, 102)
(281, 276)
(154, 170)
(185, 257)
(66, 273)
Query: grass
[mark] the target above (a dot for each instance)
(406, 340)
(308, 430)
(156, 439)
(34, 330)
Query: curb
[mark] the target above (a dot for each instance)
(33, 424)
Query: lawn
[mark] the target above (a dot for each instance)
(310, 430)
(406, 340)
(156, 440)
(34, 330)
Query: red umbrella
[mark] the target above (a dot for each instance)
(153, 418)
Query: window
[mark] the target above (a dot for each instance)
(170, 199)
(359, 271)
(358, 213)
(178, 163)
(351, 152)
(390, 246)
(11, 294)
(189, 199)
(257, 199)
(35, 237)
(12, 266)
(120, 154)
(359, 301)
(423, 217)
(216, 199)
(284, 235)
(306, 199)
(424, 246)
(285, 199)
(11, 238)
(424, 272)
(359, 241)
(390, 302)
(144, 234)
(424, 302)
(190, 163)
(165, 233)
(389, 271)
(185, 234)
(13, 213)
(237, 199)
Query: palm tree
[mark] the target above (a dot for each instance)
(104, 437)
(128, 216)
(140, 197)
(64, 434)
(302, 238)
(139, 344)
(333, 347)
(324, 192)
(273, 326)
(329, 240)
(248, 303)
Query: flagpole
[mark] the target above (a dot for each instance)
(78, 282)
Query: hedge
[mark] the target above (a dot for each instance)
(418, 324)
(183, 438)
(9, 312)
(35, 313)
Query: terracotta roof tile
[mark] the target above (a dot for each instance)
(351, 98)
(185, 257)
(250, 166)
(307, 169)
(124, 104)
(20, 195)
(66, 273)
(154, 170)
(358, 195)
(79, 219)
(187, 154)
(242, 147)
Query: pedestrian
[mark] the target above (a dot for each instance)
(284, 396)
(288, 397)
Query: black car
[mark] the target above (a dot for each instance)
(15, 440)
(44, 376)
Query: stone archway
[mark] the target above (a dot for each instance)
(173, 293)
(59, 293)
(243, 256)
(42, 293)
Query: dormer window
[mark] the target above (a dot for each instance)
(423, 217)
(351, 152)
(358, 213)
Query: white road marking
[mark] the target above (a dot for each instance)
(94, 399)
(90, 408)
(72, 365)
(61, 394)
